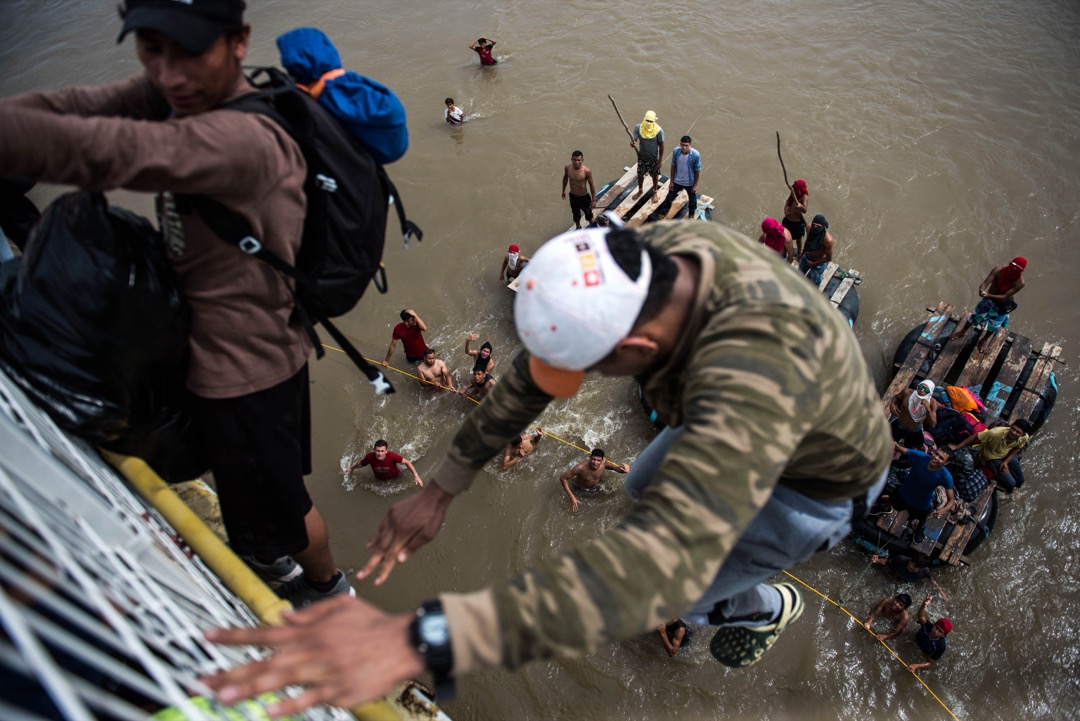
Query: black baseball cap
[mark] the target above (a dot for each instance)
(193, 24)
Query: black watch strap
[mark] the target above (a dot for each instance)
(430, 636)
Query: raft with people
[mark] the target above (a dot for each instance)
(978, 384)
(616, 200)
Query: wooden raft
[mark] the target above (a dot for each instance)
(995, 377)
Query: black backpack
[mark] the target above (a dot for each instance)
(348, 196)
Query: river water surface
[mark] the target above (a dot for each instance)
(939, 137)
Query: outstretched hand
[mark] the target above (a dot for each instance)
(408, 525)
(345, 651)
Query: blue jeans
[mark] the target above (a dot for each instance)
(1009, 477)
(791, 528)
(815, 273)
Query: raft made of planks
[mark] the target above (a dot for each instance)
(995, 376)
(617, 198)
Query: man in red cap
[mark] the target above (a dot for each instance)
(160, 132)
(513, 263)
(930, 637)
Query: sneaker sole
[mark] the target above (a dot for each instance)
(740, 647)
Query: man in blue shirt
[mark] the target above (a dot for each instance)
(916, 491)
(685, 172)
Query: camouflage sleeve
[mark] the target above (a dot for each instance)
(746, 397)
(513, 403)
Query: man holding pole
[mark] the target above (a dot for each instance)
(648, 140)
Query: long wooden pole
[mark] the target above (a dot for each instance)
(782, 166)
(625, 126)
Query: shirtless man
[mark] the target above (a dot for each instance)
(892, 609)
(433, 371)
(586, 476)
(795, 213)
(818, 250)
(521, 446)
(913, 409)
(582, 199)
(482, 383)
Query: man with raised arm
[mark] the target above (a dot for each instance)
(585, 476)
(774, 442)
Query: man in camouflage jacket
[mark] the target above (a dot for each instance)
(775, 437)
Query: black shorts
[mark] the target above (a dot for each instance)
(797, 228)
(581, 204)
(912, 439)
(647, 167)
(897, 501)
(259, 447)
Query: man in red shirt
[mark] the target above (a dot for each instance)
(384, 464)
(482, 47)
(410, 331)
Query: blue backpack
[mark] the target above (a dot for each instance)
(367, 109)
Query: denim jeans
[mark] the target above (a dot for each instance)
(1011, 477)
(815, 273)
(791, 528)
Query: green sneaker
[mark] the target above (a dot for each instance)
(739, 647)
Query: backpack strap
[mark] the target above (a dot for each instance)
(234, 229)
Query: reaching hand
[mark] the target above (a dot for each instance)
(345, 651)
(474, 336)
(408, 525)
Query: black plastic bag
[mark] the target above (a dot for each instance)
(93, 327)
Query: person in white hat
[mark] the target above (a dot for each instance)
(910, 410)
(775, 441)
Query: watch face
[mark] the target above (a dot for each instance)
(433, 630)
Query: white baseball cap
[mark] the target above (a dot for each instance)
(574, 304)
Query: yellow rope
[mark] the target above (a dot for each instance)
(887, 646)
(446, 388)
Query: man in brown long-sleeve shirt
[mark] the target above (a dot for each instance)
(248, 352)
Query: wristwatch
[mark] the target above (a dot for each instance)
(430, 635)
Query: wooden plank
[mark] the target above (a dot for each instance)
(952, 552)
(998, 394)
(629, 178)
(629, 202)
(915, 358)
(1040, 373)
(932, 528)
(826, 275)
(979, 364)
(893, 522)
(842, 290)
(676, 205)
(939, 370)
(645, 210)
